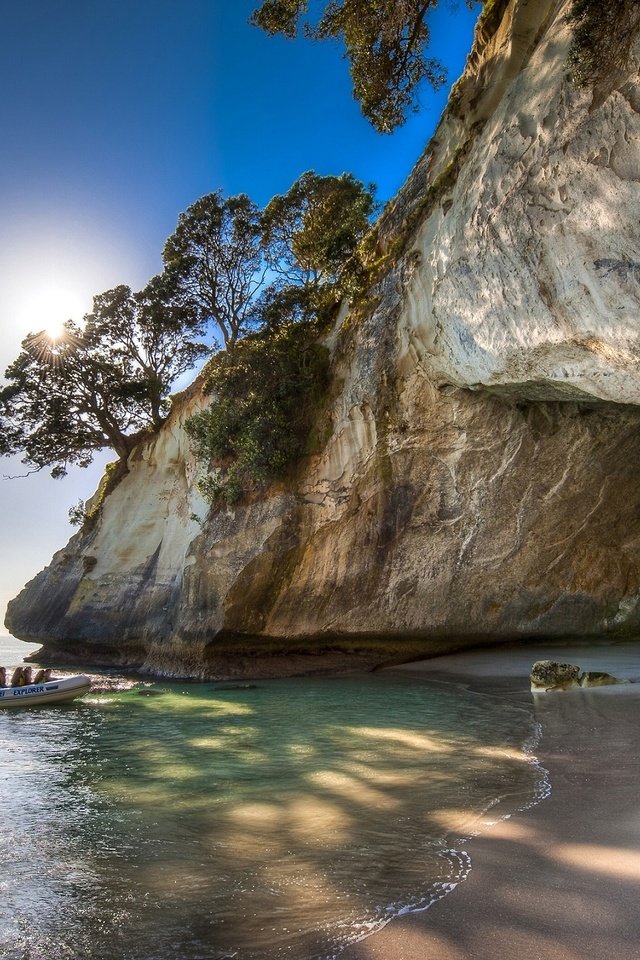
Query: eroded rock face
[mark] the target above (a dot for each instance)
(483, 476)
(528, 272)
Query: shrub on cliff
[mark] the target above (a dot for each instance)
(265, 395)
(604, 34)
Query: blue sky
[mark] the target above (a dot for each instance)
(114, 118)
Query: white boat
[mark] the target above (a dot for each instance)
(53, 691)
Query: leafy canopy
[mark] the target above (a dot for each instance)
(311, 232)
(154, 331)
(102, 384)
(386, 44)
(216, 260)
(310, 237)
(265, 387)
(99, 386)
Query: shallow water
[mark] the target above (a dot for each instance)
(277, 821)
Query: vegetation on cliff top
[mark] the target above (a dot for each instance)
(385, 43)
(604, 34)
(240, 269)
(265, 397)
(230, 265)
(265, 391)
(99, 386)
(216, 258)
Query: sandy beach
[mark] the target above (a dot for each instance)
(561, 880)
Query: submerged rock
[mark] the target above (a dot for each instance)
(549, 675)
(596, 678)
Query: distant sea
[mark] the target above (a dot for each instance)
(281, 819)
(13, 651)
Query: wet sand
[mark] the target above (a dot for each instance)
(560, 881)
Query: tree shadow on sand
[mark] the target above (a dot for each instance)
(561, 881)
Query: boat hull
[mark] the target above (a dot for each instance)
(54, 691)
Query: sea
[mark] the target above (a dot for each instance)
(260, 821)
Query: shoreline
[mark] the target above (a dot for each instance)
(554, 880)
(559, 880)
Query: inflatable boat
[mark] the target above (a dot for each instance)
(53, 691)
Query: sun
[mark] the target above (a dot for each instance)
(54, 329)
(49, 307)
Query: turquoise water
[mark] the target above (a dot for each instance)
(282, 820)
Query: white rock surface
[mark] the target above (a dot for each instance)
(483, 476)
(530, 281)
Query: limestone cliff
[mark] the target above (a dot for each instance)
(482, 480)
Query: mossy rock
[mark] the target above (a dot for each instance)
(597, 678)
(553, 675)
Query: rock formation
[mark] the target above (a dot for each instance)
(552, 675)
(548, 675)
(482, 479)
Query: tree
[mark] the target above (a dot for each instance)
(99, 386)
(153, 331)
(63, 401)
(266, 391)
(310, 236)
(216, 260)
(386, 43)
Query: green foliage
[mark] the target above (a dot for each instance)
(386, 45)
(77, 514)
(281, 304)
(266, 388)
(154, 332)
(99, 386)
(487, 9)
(604, 34)
(215, 260)
(311, 232)
(311, 238)
(105, 384)
(66, 399)
(222, 251)
(265, 398)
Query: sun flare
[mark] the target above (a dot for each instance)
(50, 307)
(54, 329)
